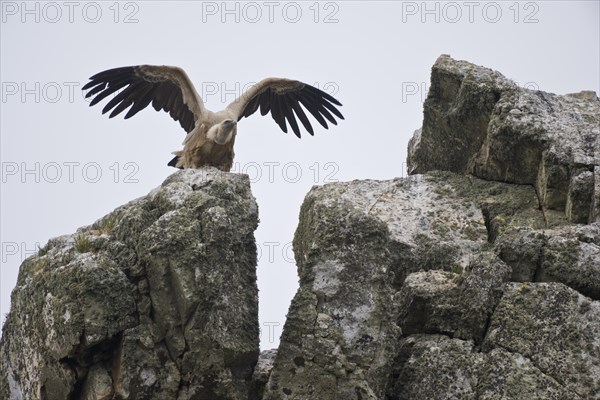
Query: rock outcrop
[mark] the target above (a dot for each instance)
(157, 300)
(478, 122)
(475, 278)
(478, 277)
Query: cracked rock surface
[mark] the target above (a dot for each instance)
(156, 300)
(407, 291)
(476, 121)
(476, 278)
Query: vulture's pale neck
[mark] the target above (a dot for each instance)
(222, 133)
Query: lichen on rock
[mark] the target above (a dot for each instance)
(476, 121)
(474, 278)
(157, 300)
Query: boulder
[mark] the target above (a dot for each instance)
(477, 277)
(478, 122)
(156, 300)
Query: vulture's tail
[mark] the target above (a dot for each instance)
(175, 162)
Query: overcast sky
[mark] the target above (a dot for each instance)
(64, 165)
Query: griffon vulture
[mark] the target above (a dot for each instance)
(210, 135)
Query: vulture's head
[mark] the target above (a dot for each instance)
(222, 133)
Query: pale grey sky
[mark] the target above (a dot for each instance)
(65, 165)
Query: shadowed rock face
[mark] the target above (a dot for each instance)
(476, 121)
(157, 300)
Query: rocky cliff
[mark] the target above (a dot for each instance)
(480, 123)
(157, 300)
(478, 277)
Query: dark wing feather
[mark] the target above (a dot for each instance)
(167, 88)
(143, 103)
(96, 89)
(287, 99)
(327, 115)
(265, 104)
(253, 105)
(301, 115)
(312, 106)
(125, 96)
(277, 112)
(105, 92)
(289, 115)
(325, 95)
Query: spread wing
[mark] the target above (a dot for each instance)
(286, 99)
(167, 88)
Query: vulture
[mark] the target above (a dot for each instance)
(210, 135)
